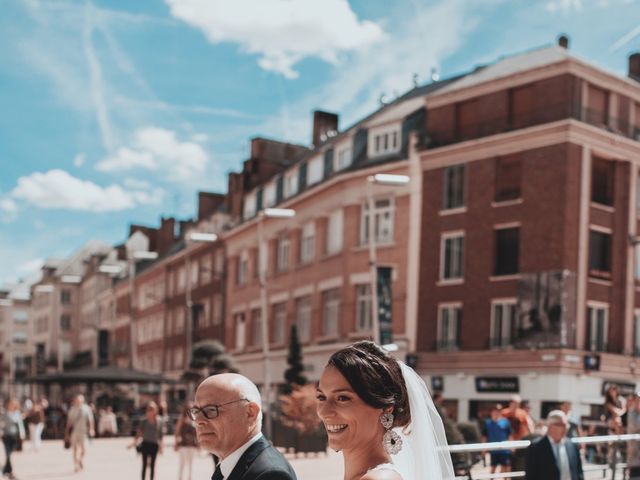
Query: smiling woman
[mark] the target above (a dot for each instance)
(374, 407)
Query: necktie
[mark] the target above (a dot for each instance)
(217, 475)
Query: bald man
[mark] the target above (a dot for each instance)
(228, 420)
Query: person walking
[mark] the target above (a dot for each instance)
(150, 432)
(633, 426)
(186, 443)
(79, 428)
(35, 421)
(12, 433)
(498, 429)
(107, 423)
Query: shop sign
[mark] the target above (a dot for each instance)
(497, 384)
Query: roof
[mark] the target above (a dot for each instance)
(110, 374)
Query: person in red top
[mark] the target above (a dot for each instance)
(518, 418)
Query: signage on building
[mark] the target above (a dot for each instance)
(497, 384)
(591, 362)
(384, 305)
(411, 359)
(624, 389)
(437, 383)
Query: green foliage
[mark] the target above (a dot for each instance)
(293, 375)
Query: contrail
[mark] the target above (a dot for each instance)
(625, 39)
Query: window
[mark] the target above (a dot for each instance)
(507, 248)
(308, 242)
(256, 328)
(178, 358)
(19, 337)
(282, 254)
(344, 158)
(291, 183)
(636, 251)
(195, 272)
(20, 316)
(599, 253)
(598, 328)
(303, 318)
(180, 284)
(330, 312)
(363, 308)
(65, 297)
(503, 323)
(383, 222)
(65, 322)
(449, 322)
(315, 170)
(238, 321)
(334, 232)
(205, 269)
(242, 264)
(384, 142)
(218, 268)
(270, 195)
(602, 172)
(508, 179)
(178, 321)
(454, 191)
(279, 311)
(217, 309)
(452, 256)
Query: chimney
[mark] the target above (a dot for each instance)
(634, 66)
(324, 125)
(563, 41)
(166, 234)
(208, 204)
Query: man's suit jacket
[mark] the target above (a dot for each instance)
(542, 465)
(262, 462)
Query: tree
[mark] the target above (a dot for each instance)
(299, 409)
(208, 358)
(293, 375)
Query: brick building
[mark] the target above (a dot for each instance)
(528, 263)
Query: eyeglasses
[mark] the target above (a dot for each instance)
(210, 411)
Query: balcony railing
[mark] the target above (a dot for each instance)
(552, 113)
(447, 345)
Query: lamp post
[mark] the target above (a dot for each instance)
(193, 237)
(377, 179)
(262, 258)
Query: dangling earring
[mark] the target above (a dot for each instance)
(391, 441)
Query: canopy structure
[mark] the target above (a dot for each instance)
(109, 374)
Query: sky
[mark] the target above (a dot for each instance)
(118, 112)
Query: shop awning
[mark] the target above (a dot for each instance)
(110, 374)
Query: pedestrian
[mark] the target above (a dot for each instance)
(12, 433)
(148, 439)
(186, 443)
(107, 423)
(574, 429)
(554, 457)
(79, 428)
(615, 408)
(517, 417)
(633, 426)
(228, 418)
(35, 421)
(498, 429)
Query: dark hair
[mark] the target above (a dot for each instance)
(376, 377)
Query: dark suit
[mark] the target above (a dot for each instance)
(542, 465)
(262, 462)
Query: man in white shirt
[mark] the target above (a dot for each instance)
(554, 456)
(228, 420)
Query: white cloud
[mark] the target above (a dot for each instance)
(78, 160)
(159, 149)
(58, 189)
(564, 6)
(282, 32)
(427, 37)
(8, 210)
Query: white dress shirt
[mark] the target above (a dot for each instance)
(228, 464)
(562, 458)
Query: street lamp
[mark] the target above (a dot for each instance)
(262, 257)
(377, 179)
(192, 237)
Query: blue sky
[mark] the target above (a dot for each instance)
(115, 112)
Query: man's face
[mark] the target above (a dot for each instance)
(495, 415)
(557, 429)
(229, 430)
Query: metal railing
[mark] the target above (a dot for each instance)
(614, 465)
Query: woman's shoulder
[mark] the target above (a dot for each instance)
(382, 472)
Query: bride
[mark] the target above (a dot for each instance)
(379, 413)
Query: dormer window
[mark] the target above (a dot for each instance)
(384, 140)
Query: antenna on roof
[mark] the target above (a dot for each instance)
(435, 76)
(416, 80)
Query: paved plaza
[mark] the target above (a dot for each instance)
(109, 459)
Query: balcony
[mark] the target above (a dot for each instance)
(447, 345)
(511, 123)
